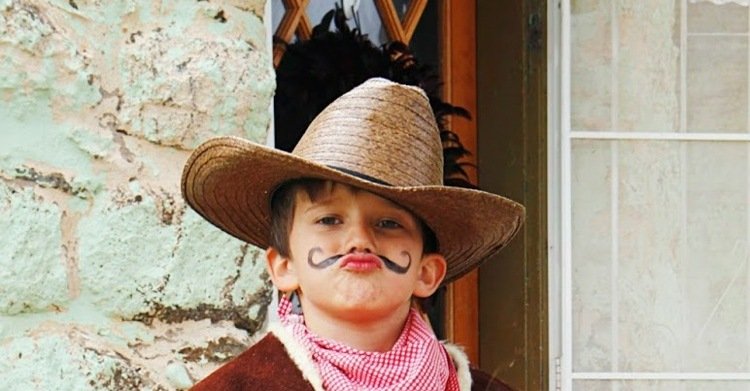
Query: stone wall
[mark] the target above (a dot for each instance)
(107, 281)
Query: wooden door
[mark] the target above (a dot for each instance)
(512, 161)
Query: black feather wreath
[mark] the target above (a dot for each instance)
(313, 73)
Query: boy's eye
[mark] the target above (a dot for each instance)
(329, 220)
(389, 224)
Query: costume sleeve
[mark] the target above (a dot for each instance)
(265, 366)
(482, 381)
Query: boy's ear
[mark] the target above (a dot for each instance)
(281, 270)
(432, 271)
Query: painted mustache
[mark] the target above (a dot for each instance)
(390, 265)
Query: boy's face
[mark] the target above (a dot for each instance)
(355, 256)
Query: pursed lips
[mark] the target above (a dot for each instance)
(361, 262)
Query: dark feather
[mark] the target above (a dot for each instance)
(313, 73)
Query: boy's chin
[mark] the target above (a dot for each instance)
(372, 314)
(362, 308)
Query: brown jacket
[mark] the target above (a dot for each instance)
(278, 362)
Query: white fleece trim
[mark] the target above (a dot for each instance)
(462, 365)
(298, 354)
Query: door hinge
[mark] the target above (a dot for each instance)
(558, 374)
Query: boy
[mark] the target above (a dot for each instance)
(357, 225)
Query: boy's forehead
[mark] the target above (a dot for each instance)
(324, 191)
(331, 192)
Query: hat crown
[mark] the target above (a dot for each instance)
(380, 130)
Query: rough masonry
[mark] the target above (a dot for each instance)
(107, 280)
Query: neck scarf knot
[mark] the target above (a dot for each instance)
(417, 361)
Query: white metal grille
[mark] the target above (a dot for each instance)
(561, 145)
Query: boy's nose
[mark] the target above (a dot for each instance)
(360, 239)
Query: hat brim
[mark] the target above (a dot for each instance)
(229, 182)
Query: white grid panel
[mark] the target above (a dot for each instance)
(560, 203)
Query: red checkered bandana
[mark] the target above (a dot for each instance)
(417, 361)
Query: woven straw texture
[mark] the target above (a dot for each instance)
(381, 137)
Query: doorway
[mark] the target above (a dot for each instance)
(512, 161)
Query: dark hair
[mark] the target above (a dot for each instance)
(282, 213)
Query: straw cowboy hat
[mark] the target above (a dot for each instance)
(380, 137)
